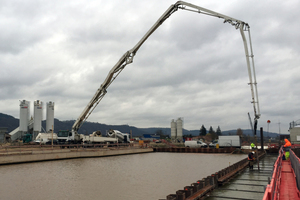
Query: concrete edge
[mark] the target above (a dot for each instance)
(27, 158)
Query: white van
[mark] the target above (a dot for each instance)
(195, 144)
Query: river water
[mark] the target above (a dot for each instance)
(149, 176)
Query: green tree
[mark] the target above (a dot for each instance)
(202, 131)
(212, 133)
(213, 136)
(211, 130)
(218, 132)
(239, 132)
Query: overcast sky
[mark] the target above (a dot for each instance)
(193, 66)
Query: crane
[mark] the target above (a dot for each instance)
(128, 56)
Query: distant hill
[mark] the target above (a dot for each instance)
(8, 122)
(249, 132)
(167, 131)
(88, 127)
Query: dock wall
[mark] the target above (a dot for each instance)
(37, 156)
(200, 188)
(198, 150)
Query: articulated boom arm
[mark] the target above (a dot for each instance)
(127, 58)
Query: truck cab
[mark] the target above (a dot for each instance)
(68, 137)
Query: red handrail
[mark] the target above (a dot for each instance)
(272, 190)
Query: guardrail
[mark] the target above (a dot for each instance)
(295, 161)
(272, 189)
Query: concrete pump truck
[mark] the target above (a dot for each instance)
(73, 137)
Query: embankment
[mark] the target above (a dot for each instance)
(59, 154)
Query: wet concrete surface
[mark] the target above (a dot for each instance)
(249, 184)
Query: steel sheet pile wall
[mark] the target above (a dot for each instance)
(202, 187)
(195, 150)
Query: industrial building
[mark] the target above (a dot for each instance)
(3, 131)
(150, 137)
(176, 129)
(295, 132)
(33, 125)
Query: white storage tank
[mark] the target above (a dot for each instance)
(24, 115)
(173, 129)
(50, 116)
(38, 116)
(179, 123)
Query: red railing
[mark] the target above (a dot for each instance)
(272, 190)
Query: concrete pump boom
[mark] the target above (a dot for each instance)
(127, 58)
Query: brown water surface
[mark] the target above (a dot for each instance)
(148, 176)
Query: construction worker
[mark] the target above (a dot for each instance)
(287, 148)
(251, 160)
(252, 145)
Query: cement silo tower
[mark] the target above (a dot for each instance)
(50, 116)
(24, 117)
(179, 124)
(38, 117)
(173, 129)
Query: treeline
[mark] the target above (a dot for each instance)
(211, 132)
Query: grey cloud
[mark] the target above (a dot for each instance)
(193, 66)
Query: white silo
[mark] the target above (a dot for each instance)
(38, 117)
(24, 116)
(173, 129)
(50, 116)
(179, 123)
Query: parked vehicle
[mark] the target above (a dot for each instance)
(96, 138)
(213, 144)
(121, 137)
(195, 144)
(27, 138)
(46, 138)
